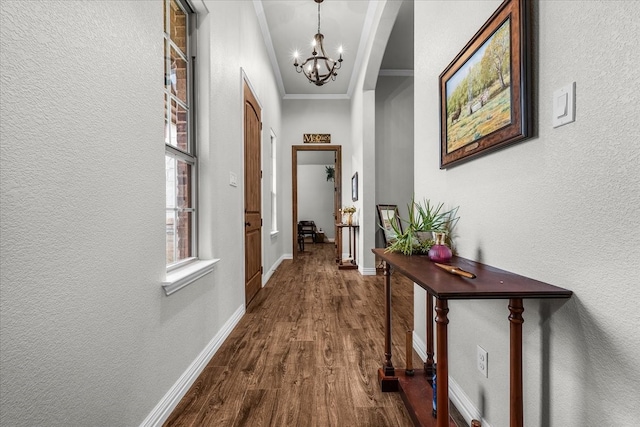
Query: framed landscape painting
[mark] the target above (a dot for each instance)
(484, 91)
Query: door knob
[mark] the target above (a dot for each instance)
(247, 224)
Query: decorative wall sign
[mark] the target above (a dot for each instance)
(485, 91)
(316, 138)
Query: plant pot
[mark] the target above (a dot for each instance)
(424, 236)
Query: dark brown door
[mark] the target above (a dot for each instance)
(252, 196)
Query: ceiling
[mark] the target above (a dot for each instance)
(289, 25)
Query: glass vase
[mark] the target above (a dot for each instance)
(349, 218)
(440, 252)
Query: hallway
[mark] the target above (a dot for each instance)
(306, 353)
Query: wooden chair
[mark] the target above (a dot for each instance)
(306, 228)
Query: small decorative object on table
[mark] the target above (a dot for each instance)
(424, 221)
(349, 210)
(440, 252)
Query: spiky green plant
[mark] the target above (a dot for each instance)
(423, 216)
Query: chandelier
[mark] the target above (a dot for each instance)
(319, 68)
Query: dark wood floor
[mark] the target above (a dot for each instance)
(306, 353)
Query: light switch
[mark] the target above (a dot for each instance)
(564, 105)
(233, 179)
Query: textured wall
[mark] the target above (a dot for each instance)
(394, 144)
(87, 335)
(563, 207)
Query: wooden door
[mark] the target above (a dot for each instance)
(252, 196)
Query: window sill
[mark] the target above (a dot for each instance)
(188, 274)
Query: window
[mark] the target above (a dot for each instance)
(180, 154)
(274, 198)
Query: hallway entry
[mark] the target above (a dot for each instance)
(337, 180)
(252, 196)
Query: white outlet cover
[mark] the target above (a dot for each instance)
(233, 179)
(564, 105)
(482, 361)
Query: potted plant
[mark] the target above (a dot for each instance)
(331, 173)
(425, 218)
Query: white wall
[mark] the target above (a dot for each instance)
(300, 116)
(394, 144)
(562, 207)
(315, 198)
(363, 133)
(88, 336)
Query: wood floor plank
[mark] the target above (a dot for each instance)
(333, 399)
(186, 413)
(258, 408)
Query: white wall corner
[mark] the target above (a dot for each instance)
(170, 400)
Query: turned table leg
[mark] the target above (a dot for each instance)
(428, 364)
(442, 367)
(388, 366)
(516, 415)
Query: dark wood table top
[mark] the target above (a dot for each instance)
(490, 282)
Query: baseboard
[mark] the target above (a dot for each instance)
(170, 400)
(368, 271)
(456, 394)
(420, 346)
(464, 405)
(274, 267)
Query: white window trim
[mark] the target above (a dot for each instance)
(181, 277)
(273, 151)
(187, 271)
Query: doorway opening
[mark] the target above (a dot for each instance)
(336, 150)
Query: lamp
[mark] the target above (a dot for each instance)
(319, 68)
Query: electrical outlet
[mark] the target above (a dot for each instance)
(482, 361)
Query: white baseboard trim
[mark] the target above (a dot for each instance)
(274, 267)
(419, 346)
(464, 405)
(456, 394)
(170, 400)
(368, 271)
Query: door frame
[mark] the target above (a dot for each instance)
(337, 197)
(247, 89)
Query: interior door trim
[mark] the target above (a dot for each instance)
(337, 199)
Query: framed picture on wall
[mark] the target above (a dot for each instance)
(389, 222)
(354, 187)
(485, 101)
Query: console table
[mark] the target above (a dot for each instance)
(490, 283)
(349, 262)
